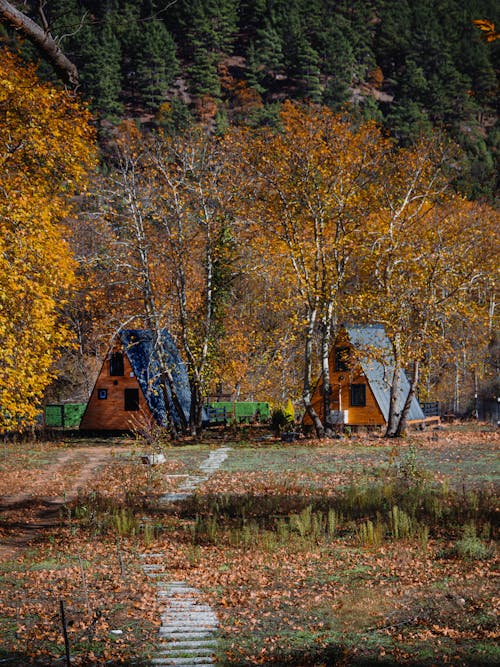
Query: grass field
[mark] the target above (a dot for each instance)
(355, 552)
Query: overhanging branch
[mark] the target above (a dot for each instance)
(42, 39)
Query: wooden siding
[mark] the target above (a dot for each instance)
(341, 381)
(109, 414)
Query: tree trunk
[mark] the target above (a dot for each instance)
(196, 409)
(325, 367)
(153, 320)
(167, 382)
(394, 414)
(306, 392)
(401, 428)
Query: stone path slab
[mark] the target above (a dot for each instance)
(189, 485)
(188, 625)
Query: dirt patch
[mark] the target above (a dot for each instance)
(27, 514)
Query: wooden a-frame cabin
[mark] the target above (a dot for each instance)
(128, 391)
(361, 367)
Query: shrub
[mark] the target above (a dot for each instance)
(469, 546)
(281, 420)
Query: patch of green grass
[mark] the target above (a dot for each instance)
(472, 548)
(487, 652)
(369, 641)
(308, 460)
(462, 654)
(469, 547)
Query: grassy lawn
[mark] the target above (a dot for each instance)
(358, 552)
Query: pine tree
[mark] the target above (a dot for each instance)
(101, 73)
(210, 27)
(223, 18)
(265, 57)
(203, 77)
(156, 62)
(308, 71)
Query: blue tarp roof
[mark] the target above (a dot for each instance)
(139, 348)
(377, 362)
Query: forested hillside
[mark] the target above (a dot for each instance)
(409, 65)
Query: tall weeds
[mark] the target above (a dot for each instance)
(392, 510)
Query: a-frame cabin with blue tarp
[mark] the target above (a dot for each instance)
(129, 390)
(361, 369)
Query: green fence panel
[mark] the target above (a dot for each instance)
(53, 415)
(243, 410)
(67, 415)
(73, 413)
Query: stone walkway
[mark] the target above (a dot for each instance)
(188, 626)
(207, 468)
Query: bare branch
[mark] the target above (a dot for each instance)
(59, 39)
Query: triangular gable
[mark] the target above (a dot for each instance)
(377, 361)
(138, 346)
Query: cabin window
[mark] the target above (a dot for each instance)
(131, 400)
(358, 395)
(341, 358)
(116, 364)
(102, 394)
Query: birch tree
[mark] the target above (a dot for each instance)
(174, 247)
(428, 249)
(194, 224)
(307, 192)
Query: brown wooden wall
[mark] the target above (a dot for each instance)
(110, 414)
(341, 381)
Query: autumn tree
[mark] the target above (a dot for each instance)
(262, 353)
(308, 190)
(93, 314)
(46, 144)
(195, 225)
(428, 250)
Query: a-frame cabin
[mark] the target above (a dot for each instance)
(128, 389)
(361, 367)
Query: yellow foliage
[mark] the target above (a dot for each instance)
(46, 145)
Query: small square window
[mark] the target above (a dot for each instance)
(102, 394)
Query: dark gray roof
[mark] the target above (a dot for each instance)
(139, 348)
(377, 362)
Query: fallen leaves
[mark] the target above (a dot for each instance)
(305, 603)
(105, 600)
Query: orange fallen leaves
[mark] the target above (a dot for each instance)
(34, 600)
(263, 596)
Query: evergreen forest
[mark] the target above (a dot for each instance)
(410, 66)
